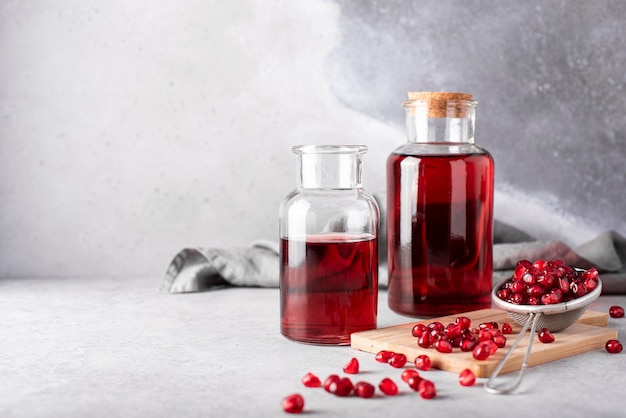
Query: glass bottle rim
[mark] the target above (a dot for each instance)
(329, 149)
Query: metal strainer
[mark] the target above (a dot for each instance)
(555, 317)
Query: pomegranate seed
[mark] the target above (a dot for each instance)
(464, 322)
(397, 360)
(443, 346)
(531, 276)
(504, 293)
(422, 362)
(520, 269)
(425, 340)
(616, 312)
(546, 281)
(409, 373)
(507, 328)
(418, 330)
(500, 340)
(342, 387)
(333, 378)
(414, 382)
(613, 346)
(364, 390)
(435, 328)
(488, 325)
(481, 351)
(590, 283)
(383, 356)
(311, 381)
(545, 336)
(535, 290)
(564, 285)
(484, 335)
(467, 378)
(293, 404)
(467, 344)
(388, 387)
(517, 286)
(556, 263)
(453, 331)
(592, 273)
(517, 299)
(352, 367)
(426, 389)
(578, 289)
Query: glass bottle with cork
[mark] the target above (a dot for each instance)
(439, 210)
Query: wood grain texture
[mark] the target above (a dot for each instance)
(589, 333)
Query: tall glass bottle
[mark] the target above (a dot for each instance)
(440, 210)
(328, 248)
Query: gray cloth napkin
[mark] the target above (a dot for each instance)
(200, 269)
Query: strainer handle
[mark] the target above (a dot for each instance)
(502, 389)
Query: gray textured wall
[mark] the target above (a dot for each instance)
(129, 130)
(550, 78)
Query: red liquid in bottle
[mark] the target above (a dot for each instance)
(440, 214)
(328, 287)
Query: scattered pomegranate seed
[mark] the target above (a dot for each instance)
(383, 356)
(613, 346)
(293, 404)
(388, 387)
(426, 389)
(333, 378)
(422, 362)
(507, 328)
(311, 381)
(414, 382)
(545, 336)
(397, 360)
(409, 373)
(616, 312)
(352, 367)
(364, 390)
(467, 378)
(342, 387)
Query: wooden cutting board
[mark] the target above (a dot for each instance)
(589, 333)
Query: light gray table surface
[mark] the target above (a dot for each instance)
(72, 347)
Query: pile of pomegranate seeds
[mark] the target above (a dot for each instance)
(546, 283)
(616, 312)
(482, 341)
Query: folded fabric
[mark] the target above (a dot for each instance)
(200, 269)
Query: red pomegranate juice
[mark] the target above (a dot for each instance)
(440, 233)
(328, 287)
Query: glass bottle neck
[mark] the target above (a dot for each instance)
(454, 123)
(329, 166)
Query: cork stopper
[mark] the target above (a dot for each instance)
(439, 103)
